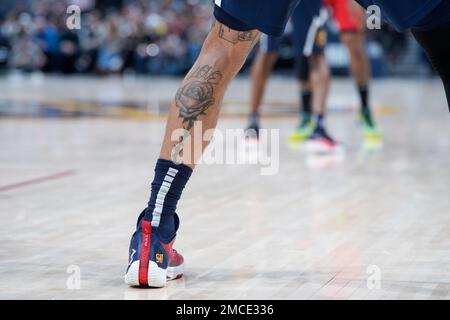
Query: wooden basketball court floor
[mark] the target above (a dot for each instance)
(76, 162)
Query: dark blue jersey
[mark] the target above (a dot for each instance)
(404, 14)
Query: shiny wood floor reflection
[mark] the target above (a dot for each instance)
(369, 224)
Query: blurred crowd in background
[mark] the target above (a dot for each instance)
(160, 37)
(140, 36)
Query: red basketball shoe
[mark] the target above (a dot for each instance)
(151, 262)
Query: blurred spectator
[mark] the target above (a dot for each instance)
(141, 36)
(47, 37)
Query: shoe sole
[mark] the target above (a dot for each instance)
(373, 137)
(297, 137)
(157, 277)
(316, 147)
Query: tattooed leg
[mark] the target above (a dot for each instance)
(200, 95)
(193, 100)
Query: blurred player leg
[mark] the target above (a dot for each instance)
(360, 70)
(302, 70)
(261, 69)
(320, 140)
(309, 38)
(350, 19)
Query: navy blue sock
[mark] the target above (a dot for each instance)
(320, 118)
(254, 119)
(363, 91)
(306, 102)
(167, 186)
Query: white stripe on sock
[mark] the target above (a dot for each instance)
(172, 172)
(218, 3)
(168, 179)
(163, 190)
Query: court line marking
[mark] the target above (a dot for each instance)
(122, 111)
(30, 182)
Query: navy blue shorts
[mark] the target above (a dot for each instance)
(268, 16)
(309, 34)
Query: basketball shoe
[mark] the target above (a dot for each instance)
(304, 130)
(370, 129)
(152, 262)
(252, 132)
(321, 142)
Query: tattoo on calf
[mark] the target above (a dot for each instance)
(193, 99)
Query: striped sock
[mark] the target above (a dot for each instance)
(167, 187)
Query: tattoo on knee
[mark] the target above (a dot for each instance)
(193, 99)
(235, 37)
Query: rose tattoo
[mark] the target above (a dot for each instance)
(193, 99)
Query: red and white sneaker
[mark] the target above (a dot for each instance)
(175, 269)
(151, 262)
